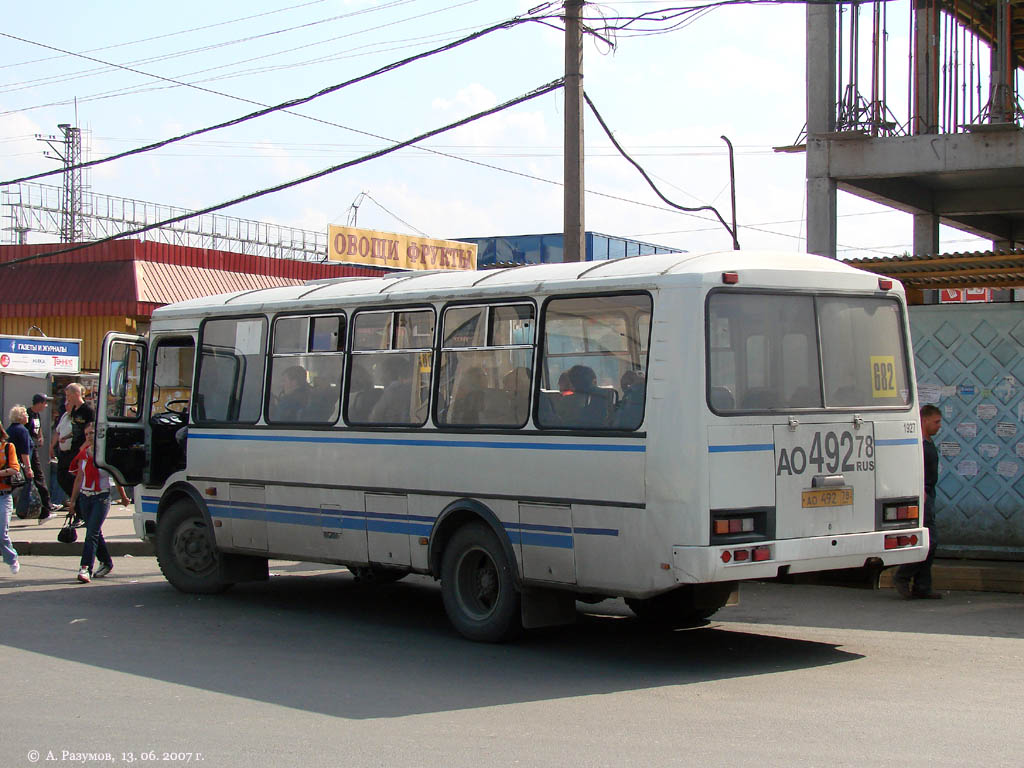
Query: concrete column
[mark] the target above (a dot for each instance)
(926, 233)
(926, 67)
(821, 121)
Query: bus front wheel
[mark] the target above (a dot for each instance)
(478, 587)
(186, 551)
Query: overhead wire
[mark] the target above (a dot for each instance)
(168, 34)
(107, 66)
(283, 106)
(536, 92)
(647, 178)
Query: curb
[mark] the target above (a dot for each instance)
(972, 576)
(116, 548)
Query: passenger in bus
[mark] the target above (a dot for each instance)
(294, 397)
(629, 411)
(583, 404)
(469, 397)
(394, 405)
(517, 385)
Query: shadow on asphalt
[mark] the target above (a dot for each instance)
(325, 644)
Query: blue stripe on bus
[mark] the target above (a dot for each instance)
(532, 534)
(743, 447)
(544, 540)
(897, 441)
(429, 443)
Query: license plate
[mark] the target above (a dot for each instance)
(827, 497)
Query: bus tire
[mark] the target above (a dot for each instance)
(684, 606)
(478, 586)
(186, 551)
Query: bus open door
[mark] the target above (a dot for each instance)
(120, 423)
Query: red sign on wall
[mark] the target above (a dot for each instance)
(965, 295)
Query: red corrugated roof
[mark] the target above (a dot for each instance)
(167, 283)
(132, 278)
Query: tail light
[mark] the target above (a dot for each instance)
(899, 513)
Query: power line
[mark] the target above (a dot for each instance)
(283, 106)
(392, 215)
(547, 88)
(66, 77)
(647, 178)
(168, 34)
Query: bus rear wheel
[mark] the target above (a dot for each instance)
(478, 587)
(684, 606)
(186, 551)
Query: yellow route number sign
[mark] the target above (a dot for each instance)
(883, 376)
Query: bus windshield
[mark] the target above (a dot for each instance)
(771, 352)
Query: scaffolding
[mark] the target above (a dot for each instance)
(31, 207)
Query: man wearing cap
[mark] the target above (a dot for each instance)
(35, 432)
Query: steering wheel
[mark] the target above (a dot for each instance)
(171, 417)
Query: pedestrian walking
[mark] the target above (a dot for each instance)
(10, 467)
(92, 487)
(914, 580)
(38, 478)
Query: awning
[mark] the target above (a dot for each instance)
(982, 269)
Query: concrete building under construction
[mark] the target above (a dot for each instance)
(953, 153)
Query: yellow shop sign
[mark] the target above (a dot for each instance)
(386, 249)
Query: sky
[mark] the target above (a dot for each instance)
(736, 71)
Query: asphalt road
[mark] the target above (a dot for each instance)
(311, 669)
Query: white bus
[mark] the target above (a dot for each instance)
(657, 428)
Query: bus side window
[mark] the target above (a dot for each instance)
(590, 345)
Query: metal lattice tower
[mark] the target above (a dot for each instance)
(72, 222)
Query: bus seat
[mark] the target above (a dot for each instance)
(547, 414)
(760, 399)
(805, 397)
(722, 399)
(496, 408)
(360, 404)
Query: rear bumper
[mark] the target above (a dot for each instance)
(695, 565)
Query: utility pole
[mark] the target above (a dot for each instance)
(573, 221)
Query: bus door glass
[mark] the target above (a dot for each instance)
(120, 433)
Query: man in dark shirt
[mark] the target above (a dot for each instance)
(35, 431)
(915, 579)
(80, 413)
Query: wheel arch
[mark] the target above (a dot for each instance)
(453, 517)
(177, 491)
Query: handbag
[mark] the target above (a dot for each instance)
(67, 534)
(16, 480)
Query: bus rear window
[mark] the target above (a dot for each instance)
(862, 349)
(773, 352)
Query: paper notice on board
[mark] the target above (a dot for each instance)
(967, 429)
(927, 393)
(988, 450)
(950, 449)
(1006, 429)
(986, 411)
(1007, 468)
(967, 468)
